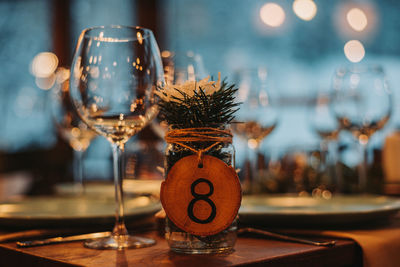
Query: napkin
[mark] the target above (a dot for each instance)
(380, 245)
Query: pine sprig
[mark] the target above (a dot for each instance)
(201, 109)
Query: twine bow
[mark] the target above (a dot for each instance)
(202, 134)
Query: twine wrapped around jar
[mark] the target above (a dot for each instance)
(182, 137)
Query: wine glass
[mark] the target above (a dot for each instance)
(182, 67)
(362, 105)
(326, 126)
(115, 72)
(178, 69)
(256, 118)
(70, 126)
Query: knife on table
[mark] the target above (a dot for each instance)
(60, 239)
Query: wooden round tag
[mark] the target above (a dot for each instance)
(201, 201)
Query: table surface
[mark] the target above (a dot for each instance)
(249, 251)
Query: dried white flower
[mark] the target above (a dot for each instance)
(168, 92)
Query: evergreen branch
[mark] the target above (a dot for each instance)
(200, 110)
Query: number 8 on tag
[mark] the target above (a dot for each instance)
(203, 197)
(201, 201)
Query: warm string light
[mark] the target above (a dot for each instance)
(354, 51)
(43, 67)
(44, 64)
(305, 9)
(357, 19)
(272, 14)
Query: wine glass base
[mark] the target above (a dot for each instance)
(119, 242)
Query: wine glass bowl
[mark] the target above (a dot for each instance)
(181, 67)
(78, 136)
(253, 132)
(117, 76)
(70, 126)
(363, 102)
(115, 72)
(258, 115)
(322, 121)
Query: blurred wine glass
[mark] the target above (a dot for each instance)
(181, 67)
(362, 105)
(114, 75)
(178, 69)
(256, 118)
(258, 115)
(326, 126)
(70, 127)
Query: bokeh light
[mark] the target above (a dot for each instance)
(166, 54)
(354, 51)
(44, 64)
(305, 9)
(62, 74)
(272, 14)
(357, 19)
(252, 143)
(45, 83)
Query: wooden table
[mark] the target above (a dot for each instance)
(249, 251)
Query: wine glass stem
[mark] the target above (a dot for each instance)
(337, 176)
(78, 170)
(363, 176)
(324, 155)
(119, 228)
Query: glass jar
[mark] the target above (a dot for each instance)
(181, 241)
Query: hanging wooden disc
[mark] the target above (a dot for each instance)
(201, 200)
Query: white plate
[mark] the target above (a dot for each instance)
(308, 211)
(72, 210)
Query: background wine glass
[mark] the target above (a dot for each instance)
(178, 69)
(70, 127)
(257, 116)
(326, 126)
(362, 105)
(114, 75)
(182, 67)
